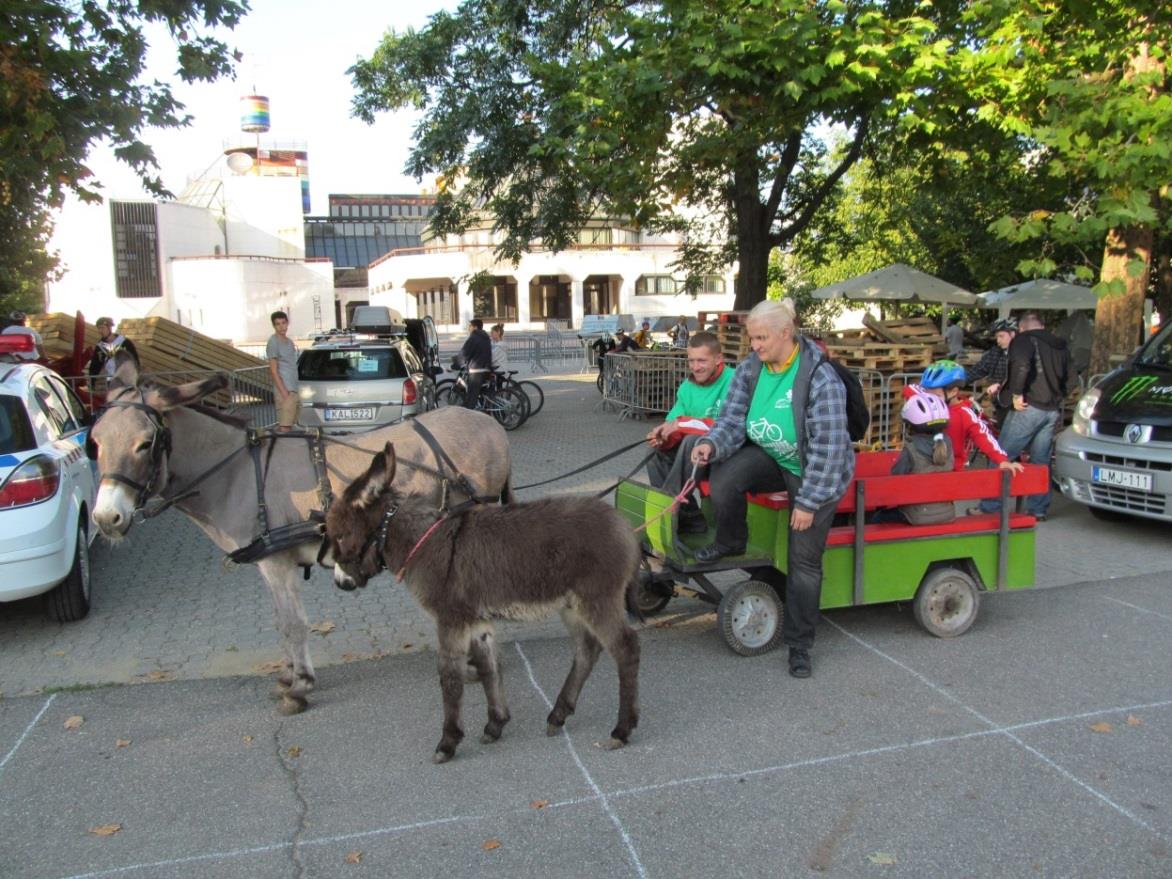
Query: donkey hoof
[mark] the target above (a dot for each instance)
(489, 736)
(442, 756)
(611, 744)
(552, 729)
(279, 690)
(292, 705)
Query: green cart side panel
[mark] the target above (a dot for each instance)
(639, 504)
(893, 571)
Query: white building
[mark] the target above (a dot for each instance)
(233, 249)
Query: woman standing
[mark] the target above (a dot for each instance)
(782, 428)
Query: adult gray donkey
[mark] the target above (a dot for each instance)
(155, 442)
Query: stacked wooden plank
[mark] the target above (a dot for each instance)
(733, 333)
(165, 346)
(56, 331)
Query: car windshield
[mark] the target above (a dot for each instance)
(1158, 351)
(350, 364)
(16, 432)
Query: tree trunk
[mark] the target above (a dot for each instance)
(752, 236)
(1163, 298)
(1119, 319)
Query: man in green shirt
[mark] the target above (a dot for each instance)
(699, 397)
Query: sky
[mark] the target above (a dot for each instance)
(296, 52)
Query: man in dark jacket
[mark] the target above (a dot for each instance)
(105, 352)
(477, 356)
(1038, 381)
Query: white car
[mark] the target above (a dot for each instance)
(47, 488)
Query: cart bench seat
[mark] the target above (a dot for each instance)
(844, 535)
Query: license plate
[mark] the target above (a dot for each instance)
(360, 413)
(1122, 478)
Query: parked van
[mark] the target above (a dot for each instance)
(1116, 457)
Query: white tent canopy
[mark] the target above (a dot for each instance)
(898, 282)
(1042, 294)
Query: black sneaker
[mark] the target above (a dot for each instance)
(799, 662)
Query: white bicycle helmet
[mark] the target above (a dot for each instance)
(925, 410)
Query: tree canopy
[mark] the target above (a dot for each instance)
(697, 115)
(69, 78)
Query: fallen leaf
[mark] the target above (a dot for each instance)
(58, 652)
(248, 740)
(408, 646)
(882, 859)
(105, 829)
(268, 667)
(1102, 726)
(353, 857)
(158, 675)
(490, 844)
(323, 628)
(122, 743)
(539, 804)
(1132, 720)
(294, 751)
(74, 722)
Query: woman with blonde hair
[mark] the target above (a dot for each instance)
(783, 427)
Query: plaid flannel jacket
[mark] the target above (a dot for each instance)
(824, 445)
(993, 365)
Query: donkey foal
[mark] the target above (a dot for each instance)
(516, 562)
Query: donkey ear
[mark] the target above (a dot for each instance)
(184, 395)
(392, 462)
(376, 480)
(126, 373)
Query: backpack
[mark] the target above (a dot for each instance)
(858, 416)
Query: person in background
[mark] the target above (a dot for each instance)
(500, 356)
(643, 336)
(783, 427)
(679, 333)
(110, 343)
(926, 449)
(994, 366)
(954, 338)
(700, 397)
(477, 356)
(625, 343)
(1040, 376)
(966, 428)
(281, 354)
(17, 327)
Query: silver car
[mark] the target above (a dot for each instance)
(1116, 456)
(351, 382)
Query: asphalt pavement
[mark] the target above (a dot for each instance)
(1035, 745)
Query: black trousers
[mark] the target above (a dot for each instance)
(751, 469)
(472, 396)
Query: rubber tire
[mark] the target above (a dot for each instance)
(750, 617)
(647, 600)
(517, 411)
(448, 394)
(947, 602)
(69, 600)
(536, 395)
(1105, 515)
(599, 382)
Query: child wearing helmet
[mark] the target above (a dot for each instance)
(926, 449)
(966, 428)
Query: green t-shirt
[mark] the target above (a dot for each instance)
(770, 423)
(702, 401)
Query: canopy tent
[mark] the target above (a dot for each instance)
(1041, 294)
(898, 282)
(663, 324)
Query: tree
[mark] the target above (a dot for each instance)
(700, 116)
(1086, 85)
(69, 76)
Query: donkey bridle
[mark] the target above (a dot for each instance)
(160, 448)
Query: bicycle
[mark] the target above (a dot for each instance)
(532, 390)
(508, 405)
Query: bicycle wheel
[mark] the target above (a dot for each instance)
(448, 393)
(536, 395)
(508, 406)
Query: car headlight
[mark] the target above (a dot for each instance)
(1081, 423)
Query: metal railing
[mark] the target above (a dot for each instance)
(636, 384)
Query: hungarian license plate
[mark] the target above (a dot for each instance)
(358, 413)
(1122, 478)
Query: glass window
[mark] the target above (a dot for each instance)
(350, 364)
(16, 431)
(655, 285)
(712, 284)
(60, 420)
(70, 399)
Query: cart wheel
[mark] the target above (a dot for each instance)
(947, 602)
(651, 600)
(749, 615)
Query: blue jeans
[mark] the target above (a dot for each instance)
(1029, 430)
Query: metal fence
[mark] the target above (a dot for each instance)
(637, 384)
(249, 393)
